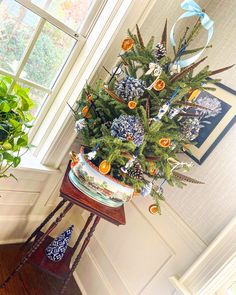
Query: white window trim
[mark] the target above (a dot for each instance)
(80, 36)
(53, 144)
(85, 28)
(47, 16)
(213, 268)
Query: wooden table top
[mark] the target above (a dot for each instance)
(71, 193)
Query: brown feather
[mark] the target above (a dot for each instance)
(186, 70)
(124, 61)
(186, 178)
(188, 114)
(190, 104)
(164, 35)
(150, 159)
(113, 95)
(139, 37)
(221, 70)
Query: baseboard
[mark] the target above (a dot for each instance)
(15, 229)
(12, 241)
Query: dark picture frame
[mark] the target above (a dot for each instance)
(216, 126)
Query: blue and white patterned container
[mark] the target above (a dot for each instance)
(103, 188)
(56, 250)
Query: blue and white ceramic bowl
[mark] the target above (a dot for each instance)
(103, 188)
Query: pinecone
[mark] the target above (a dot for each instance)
(130, 88)
(160, 51)
(136, 171)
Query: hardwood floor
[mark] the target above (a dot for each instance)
(29, 281)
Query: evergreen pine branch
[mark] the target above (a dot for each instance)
(143, 117)
(194, 32)
(150, 44)
(182, 39)
(195, 50)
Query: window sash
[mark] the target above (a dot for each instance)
(80, 38)
(48, 17)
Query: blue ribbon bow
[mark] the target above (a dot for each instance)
(193, 9)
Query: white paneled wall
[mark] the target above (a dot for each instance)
(138, 258)
(23, 201)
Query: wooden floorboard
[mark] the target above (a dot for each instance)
(30, 281)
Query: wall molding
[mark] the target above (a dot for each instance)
(213, 268)
(102, 255)
(15, 229)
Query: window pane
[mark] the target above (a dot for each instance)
(17, 26)
(48, 56)
(38, 96)
(70, 12)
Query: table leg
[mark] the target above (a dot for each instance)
(77, 260)
(46, 220)
(83, 231)
(36, 245)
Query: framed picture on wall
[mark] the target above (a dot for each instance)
(214, 122)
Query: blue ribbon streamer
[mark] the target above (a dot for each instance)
(193, 9)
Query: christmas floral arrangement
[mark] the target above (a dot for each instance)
(137, 123)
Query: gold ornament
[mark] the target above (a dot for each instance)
(159, 85)
(127, 44)
(104, 167)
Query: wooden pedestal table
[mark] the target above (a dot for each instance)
(35, 253)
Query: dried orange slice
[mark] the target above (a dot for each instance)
(164, 142)
(104, 167)
(132, 104)
(153, 209)
(89, 97)
(159, 85)
(127, 44)
(85, 112)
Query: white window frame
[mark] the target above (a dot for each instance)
(55, 132)
(80, 36)
(58, 123)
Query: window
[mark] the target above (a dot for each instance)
(38, 39)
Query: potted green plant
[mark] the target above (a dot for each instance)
(15, 121)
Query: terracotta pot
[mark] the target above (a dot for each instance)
(103, 188)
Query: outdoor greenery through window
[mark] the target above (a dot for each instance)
(33, 51)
